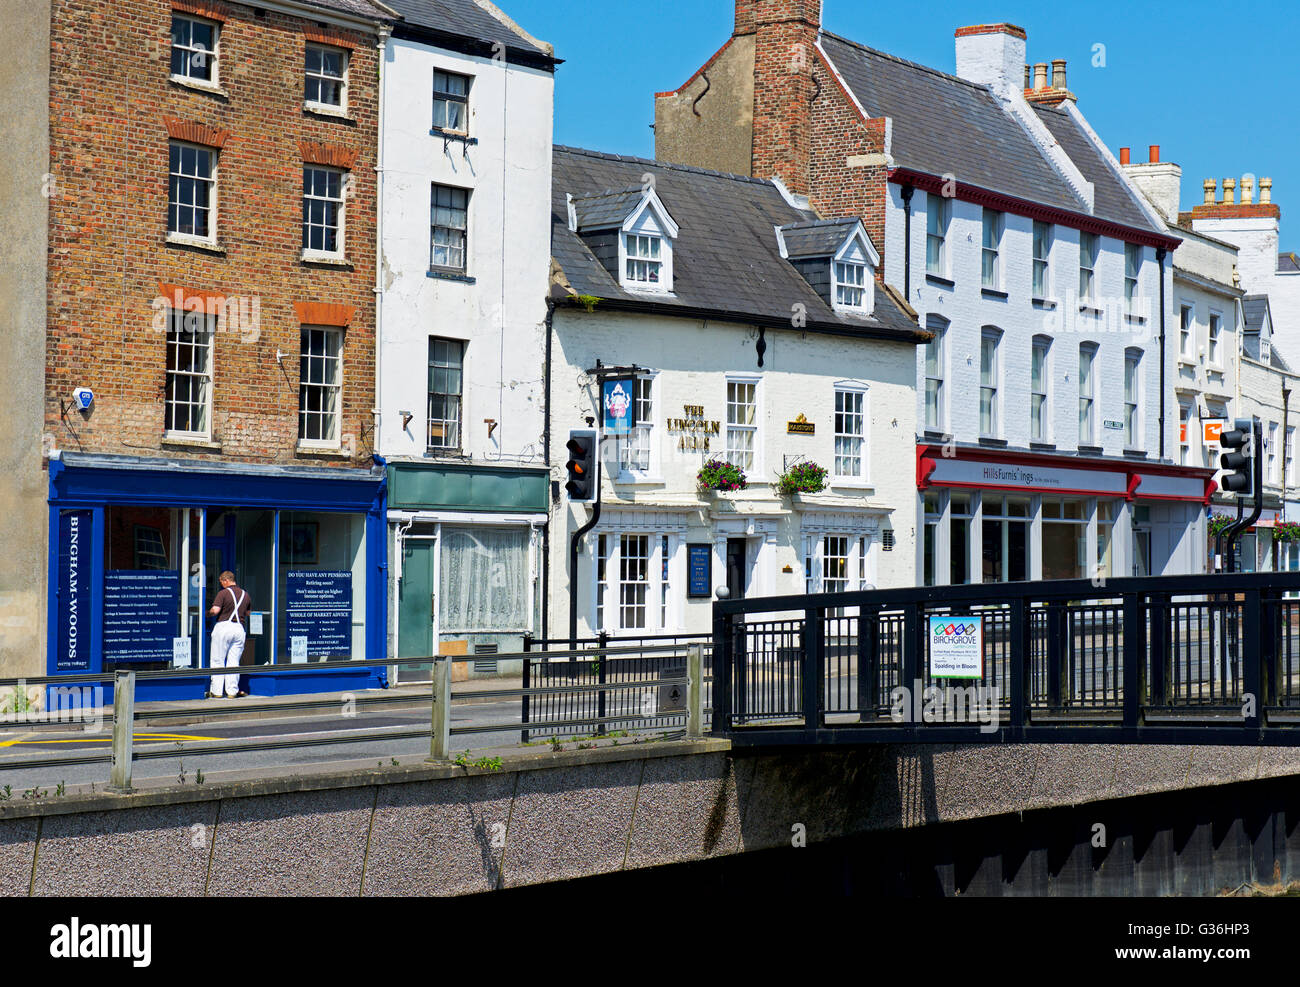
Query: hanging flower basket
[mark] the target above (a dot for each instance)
(1286, 531)
(802, 478)
(720, 475)
(1219, 523)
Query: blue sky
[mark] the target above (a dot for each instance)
(1207, 82)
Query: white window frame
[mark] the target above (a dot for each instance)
(992, 225)
(1134, 433)
(316, 106)
(756, 454)
(991, 334)
(938, 223)
(643, 252)
(444, 96)
(859, 392)
(1185, 434)
(1214, 341)
(1088, 265)
(857, 561)
(1044, 262)
(446, 448)
(213, 182)
(340, 204)
(1088, 438)
(337, 333)
(180, 320)
(648, 434)
(1270, 452)
(213, 56)
(850, 283)
(1040, 412)
(1132, 282)
(648, 219)
(938, 325)
(661, 603)
(1187, 330)
(1289, 456)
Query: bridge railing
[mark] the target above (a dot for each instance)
(1170, 658)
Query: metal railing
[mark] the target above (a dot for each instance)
(439, 730)
(1214, 658)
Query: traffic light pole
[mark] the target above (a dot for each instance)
(573, 564)
(1257, 490)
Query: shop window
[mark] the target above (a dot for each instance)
(1005, 539)
(150, 550)
(959, 523)
(1105, 537)
(1064, 544)
(633, 590)
(933, 511)
(321, 585)
(484, 578)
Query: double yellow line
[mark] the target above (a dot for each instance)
(178, 737)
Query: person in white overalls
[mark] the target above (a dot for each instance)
(228, 636)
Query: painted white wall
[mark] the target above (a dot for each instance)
(501, 315)
(968, 310)
(799, 375)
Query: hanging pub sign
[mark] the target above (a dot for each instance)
(618, 398)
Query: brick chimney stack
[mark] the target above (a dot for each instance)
(992, 55)
(1158, 181)
(1228, 208)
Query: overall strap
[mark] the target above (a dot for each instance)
(234, 615)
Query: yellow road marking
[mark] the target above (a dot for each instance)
(16, 740)
(109, 740)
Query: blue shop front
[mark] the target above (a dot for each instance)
(137, 545)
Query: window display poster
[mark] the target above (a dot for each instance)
(73, 653)
(141, 614)
(319, 609)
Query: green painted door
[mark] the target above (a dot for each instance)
(415, 606)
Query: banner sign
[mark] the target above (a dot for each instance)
(699, 571)
(73, 633)
(319, 614)
(956, 647)
(618, 398)
(141, 614)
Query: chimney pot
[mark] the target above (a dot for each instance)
(1040, 75)
(1058, 73)
(1123, 155)
(1153, 153)
(1029, 82)
(1229, 190)
(1265, 191)
(1247, 190)
(1209, 185)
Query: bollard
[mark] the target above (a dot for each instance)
(440, 734)
(695, 691)
(119, 778)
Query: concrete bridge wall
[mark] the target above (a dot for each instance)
(446, 830)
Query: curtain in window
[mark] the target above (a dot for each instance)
(484, 579)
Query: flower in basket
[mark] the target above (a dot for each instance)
(1219, 523)
(1286, 531)
(802, 478)
(718, 474)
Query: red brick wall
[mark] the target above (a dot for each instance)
(110, 103)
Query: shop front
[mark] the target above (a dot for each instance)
(466, 544)
(992, 515)
(138, 545)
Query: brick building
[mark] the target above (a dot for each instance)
(1046, 422)
(208, 217)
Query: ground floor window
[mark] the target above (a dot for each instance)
(960, 514)
(1065, 539)
(836, 563)
(933, 512)
(484, 579)
(1005, 538)
(633, 591)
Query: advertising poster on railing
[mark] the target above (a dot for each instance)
(956, 647)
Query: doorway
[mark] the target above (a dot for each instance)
(737, 569)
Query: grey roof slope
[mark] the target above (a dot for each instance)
(1288, 262)
(361, 8)
(943, 124)
(1112, 199)
(818, 238)
(605, 209)
(725, 258)
(464, 18)
(1253, 309)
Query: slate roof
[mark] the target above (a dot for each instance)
(820, 238)
(943, 124)
(463, 18)
(1253, 308)
(1111, 196)
(361, 8)
(606, 209)
(725, 258)
(1288, 262)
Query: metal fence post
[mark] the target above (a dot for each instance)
(1018, 678)
(814, 669)
(868, 662)
(527, 683)
(1134, 660)
(119, 779)
(695, 691)
(1254, 648)
(602, 644)
(440, 732)
(722, 642)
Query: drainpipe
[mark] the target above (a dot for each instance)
(546, 458)
(380, 48)
(907, 242)
(1286, 411)
(1160, 256)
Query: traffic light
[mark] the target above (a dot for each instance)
(584, 483)
(1239, 458)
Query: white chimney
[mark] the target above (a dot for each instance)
(993, 55)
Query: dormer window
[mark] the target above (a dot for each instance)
(632, 234)
(644, 265)
(850, 285)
